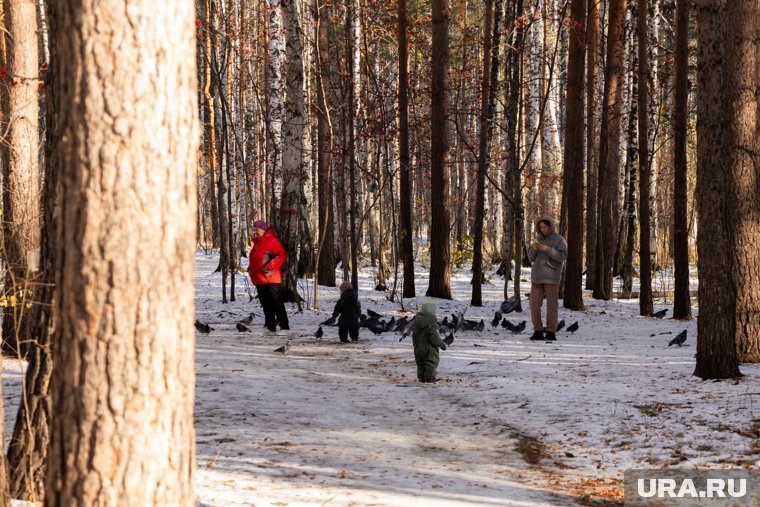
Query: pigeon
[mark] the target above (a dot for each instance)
(560, 325)
(660, 314)
(319, 334)
(509, 305)
(506, 324)
(519, 328)
(390, 324)
(373, 314)
(496, 320)
(406, 333)
(678, 340)
(328, 322)
(458, 320)
(248, 320)
(284, 349)
(401, 324)
(572, 328)
(203, 328)
(481, 325)
(375, 326)
(449, 339)
(242, 327)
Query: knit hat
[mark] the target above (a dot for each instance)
(345, 286)
(260, 224)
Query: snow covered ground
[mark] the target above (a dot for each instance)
(514, 422)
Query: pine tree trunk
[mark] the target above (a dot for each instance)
(326, 250)
(573, 158)
(209, 126)
(122, 427)
(743, 206)
(645, 257)
(682, 300)
(20, 162)
(592, 159)
(405, 187)
(716, 345)
(486, 114)
(28, 448)
(609, 151)
(440, 247)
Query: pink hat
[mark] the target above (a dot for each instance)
(260, 224)
(345, 286)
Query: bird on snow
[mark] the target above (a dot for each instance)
(373, 314)
(203, 328)
(449, 339)
(519, 328)
(572, 328)
(678, 340)
(496, 320)
(284, 349)
(481, 325)
(458, 320)
(506, 324)
(248, 320)
(560, 325)
(660, 314)
(509, 305)
(319, 334)
(328, 322)
(242, 327)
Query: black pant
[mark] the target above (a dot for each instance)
(344, 331)
(270, 296)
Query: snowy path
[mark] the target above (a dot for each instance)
(338, 425)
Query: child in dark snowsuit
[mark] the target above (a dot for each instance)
(349, 309)
(426, 343)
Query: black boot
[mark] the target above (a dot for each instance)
(550, 337)
(430, 380)
(537, 335)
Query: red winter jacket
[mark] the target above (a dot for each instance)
(267, 246)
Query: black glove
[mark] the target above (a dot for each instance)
(443, 346)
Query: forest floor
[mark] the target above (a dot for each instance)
(514, 422)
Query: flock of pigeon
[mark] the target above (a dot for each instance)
(378, 324)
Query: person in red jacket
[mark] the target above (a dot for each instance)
(264, 266)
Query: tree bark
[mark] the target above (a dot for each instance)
(716, 346)
(122, 427)
(609, 151)
(440, 259)
(743, 201)
(20, 160)
(573, 157)
(405, 187)
(486, 114)
(645, 257)
(682, 300)
(292, 147)
(326, 252)
(592, 159)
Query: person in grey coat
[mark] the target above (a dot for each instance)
(547, 253)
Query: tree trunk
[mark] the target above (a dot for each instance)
(209, 125)
(716, 345)
(573, 158)
(628, 225)
(440, 248)
(743, 206)
(645, 258)
(592, 160)
(326, 250)
(486, 114)
(351, 138)
(275, 109)
(28, 448)
(292, 148)
(609, 151)
(20, 160)
(682, 301)
(405, 188)
(122, 427)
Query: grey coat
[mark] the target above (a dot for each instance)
(547, 266)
